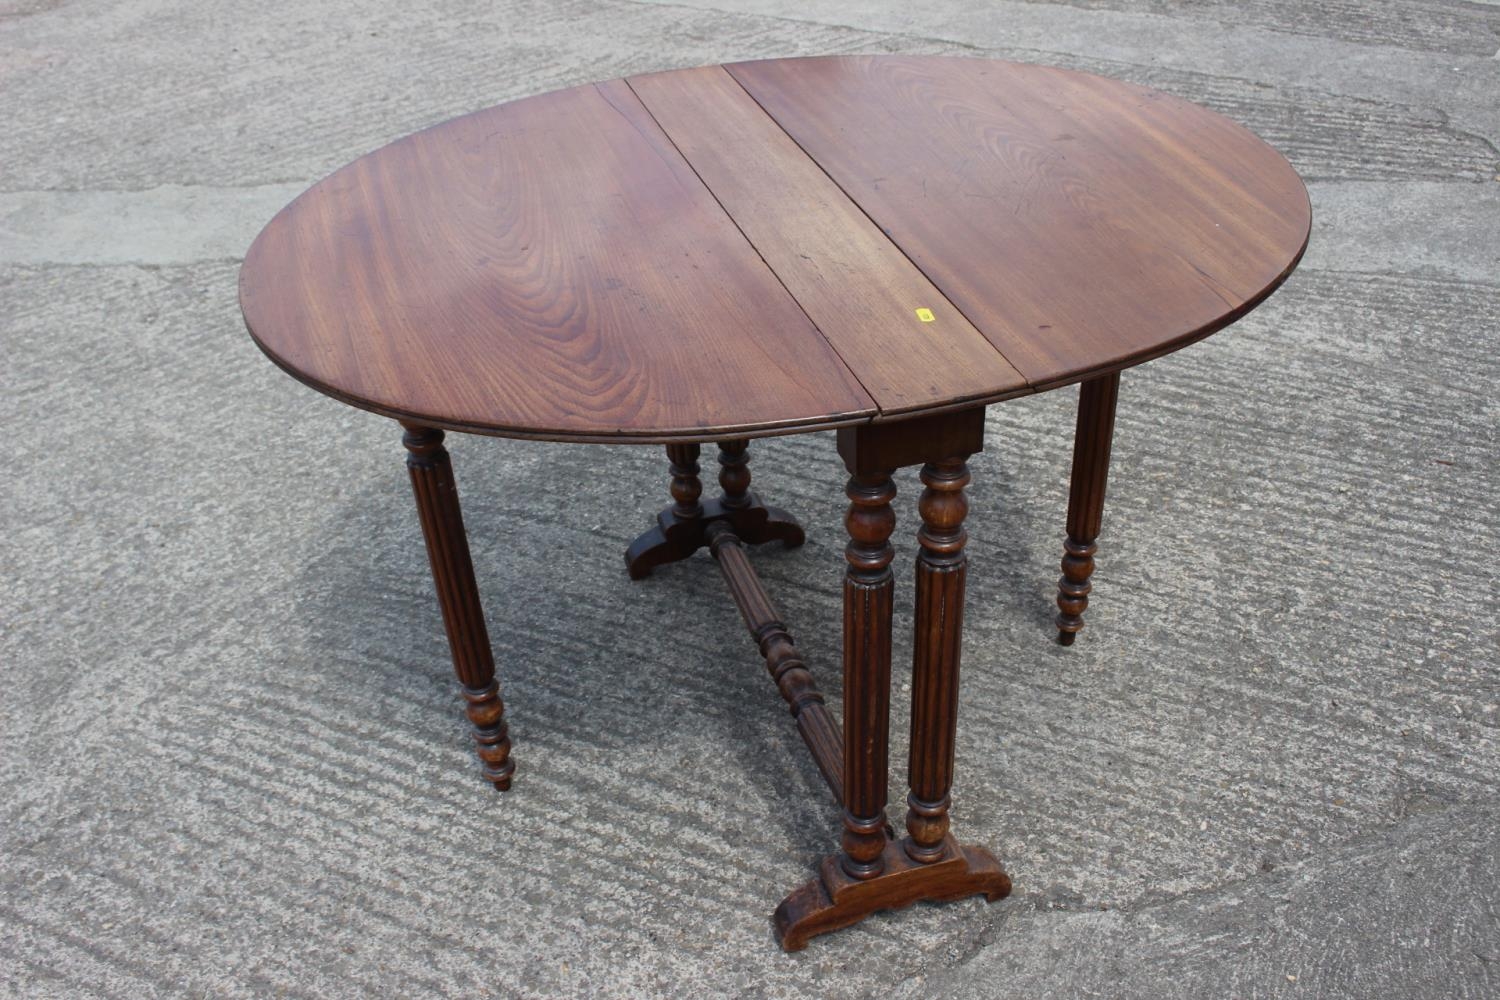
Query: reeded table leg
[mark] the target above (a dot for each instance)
(874, 871)
(458, 596)
(941, 568)
(868, 586)
(1091, 443)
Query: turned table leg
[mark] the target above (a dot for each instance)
(941, 567)
(1091, 443)
(754, 522)
(682, 460)
(458, 596)
(868, 586)
(734, 473)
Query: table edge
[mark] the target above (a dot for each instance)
(791, 426)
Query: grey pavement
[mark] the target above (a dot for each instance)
(231, 756)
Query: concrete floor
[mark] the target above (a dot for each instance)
(231, 757)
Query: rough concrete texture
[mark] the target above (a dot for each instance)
(231, 757)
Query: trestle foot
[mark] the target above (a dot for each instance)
(682, 528)
(836, 899)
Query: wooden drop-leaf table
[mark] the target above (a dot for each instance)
(878, 244)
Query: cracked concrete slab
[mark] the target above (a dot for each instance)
(233, 764)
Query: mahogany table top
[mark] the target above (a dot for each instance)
(771, 246)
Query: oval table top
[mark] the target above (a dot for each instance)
(771, 246)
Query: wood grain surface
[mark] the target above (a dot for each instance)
(770, 247)
(860, 290)
(547, 268)
(1081, 223)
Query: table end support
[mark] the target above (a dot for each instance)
(875, 870)
(682, 528)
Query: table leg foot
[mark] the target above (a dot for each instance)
(836, 899)
(1073, 588)
(486, 714)
(758, 523)
(681, 529)
(1091, 446)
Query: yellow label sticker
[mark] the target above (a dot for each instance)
(925, 315)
